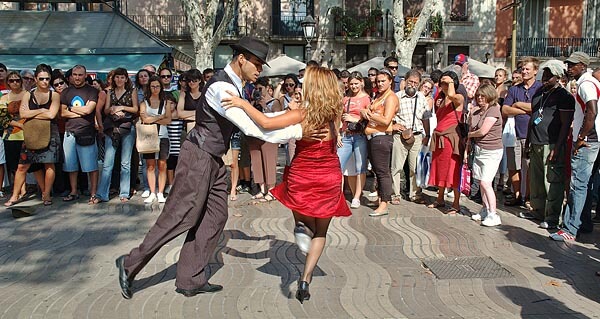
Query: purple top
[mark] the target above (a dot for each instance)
(519, 93)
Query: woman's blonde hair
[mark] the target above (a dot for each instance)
(488, 91)
(322, 97)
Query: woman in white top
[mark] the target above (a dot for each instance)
(157, 109)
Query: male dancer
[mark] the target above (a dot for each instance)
(198, 200)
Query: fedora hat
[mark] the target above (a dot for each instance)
(256, 47)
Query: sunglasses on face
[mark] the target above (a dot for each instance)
(59, 83)
(14, 80)
(165, 76)
(393, 67)
(44, 79)
(290, 84)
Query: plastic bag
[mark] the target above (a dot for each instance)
(465, 180)
(423, 165)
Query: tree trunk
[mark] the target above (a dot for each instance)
(405, 44)
(201, 16)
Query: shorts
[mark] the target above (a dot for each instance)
(485, 163)
(172, 162)
(514, 156)
(2, 156)
(236, 143)
(77, 156)
(163, 154)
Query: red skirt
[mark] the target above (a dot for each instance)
(445, 167)
(312, 185)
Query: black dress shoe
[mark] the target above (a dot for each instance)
(124, 281)
(208, 288)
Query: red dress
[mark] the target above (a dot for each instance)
(445, 166)
(312, 185)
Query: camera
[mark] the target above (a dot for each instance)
(256, 95)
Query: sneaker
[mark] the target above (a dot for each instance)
(303, 237)
(355, 203)
(145, 194)
(491, 220)
(481, 215)
(546, 225)
(161, 198)
(373, 194)
(526, 215)
(450, 194)
(168, 189)
(151, 198)
(562, 235)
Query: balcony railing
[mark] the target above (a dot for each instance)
(176, 27)
(288, 25)
(355, 26)
(555, 47)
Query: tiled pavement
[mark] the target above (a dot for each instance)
(60, 264)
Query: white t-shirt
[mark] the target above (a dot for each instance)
(587, 87)
(162, 132)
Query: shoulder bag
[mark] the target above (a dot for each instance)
(147, 140)
(36, 132)
(356, 127)
(408, 137)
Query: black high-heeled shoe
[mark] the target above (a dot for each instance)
(302, 293)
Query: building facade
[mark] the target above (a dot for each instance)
(350, 32)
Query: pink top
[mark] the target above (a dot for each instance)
(356, 105)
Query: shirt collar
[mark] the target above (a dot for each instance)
(237, 81)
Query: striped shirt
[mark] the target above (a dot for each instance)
(175, 128)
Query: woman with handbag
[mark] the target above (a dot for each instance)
(379, 134)
(446, 142)
(486, 131)
(352, 141)
(156, 110)
(12, 124)
(120, 111)
(42, 140)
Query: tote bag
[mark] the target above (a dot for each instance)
(146, 141)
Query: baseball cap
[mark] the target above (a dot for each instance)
(579, 57)
(461, 59)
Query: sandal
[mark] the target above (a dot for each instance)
(259, 195)
(452, 211)
(70, 197)
(93, 200)
(232, 197)
(267, 198)
(396, 200)
(436, 205)
(47, 200)
(10, 202)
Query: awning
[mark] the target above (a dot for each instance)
(282, 65)
(93, 63)
(101, 41)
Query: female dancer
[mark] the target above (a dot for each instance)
(312, 209)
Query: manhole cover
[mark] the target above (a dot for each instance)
(466, 267)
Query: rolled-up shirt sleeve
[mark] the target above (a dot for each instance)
(217, 91)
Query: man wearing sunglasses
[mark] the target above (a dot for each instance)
(392, 64)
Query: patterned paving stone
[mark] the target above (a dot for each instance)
(59, 263)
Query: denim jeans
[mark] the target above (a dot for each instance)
(127, 141)
(354, 145)
(581, 171)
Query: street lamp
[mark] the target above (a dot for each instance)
(308, 27)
